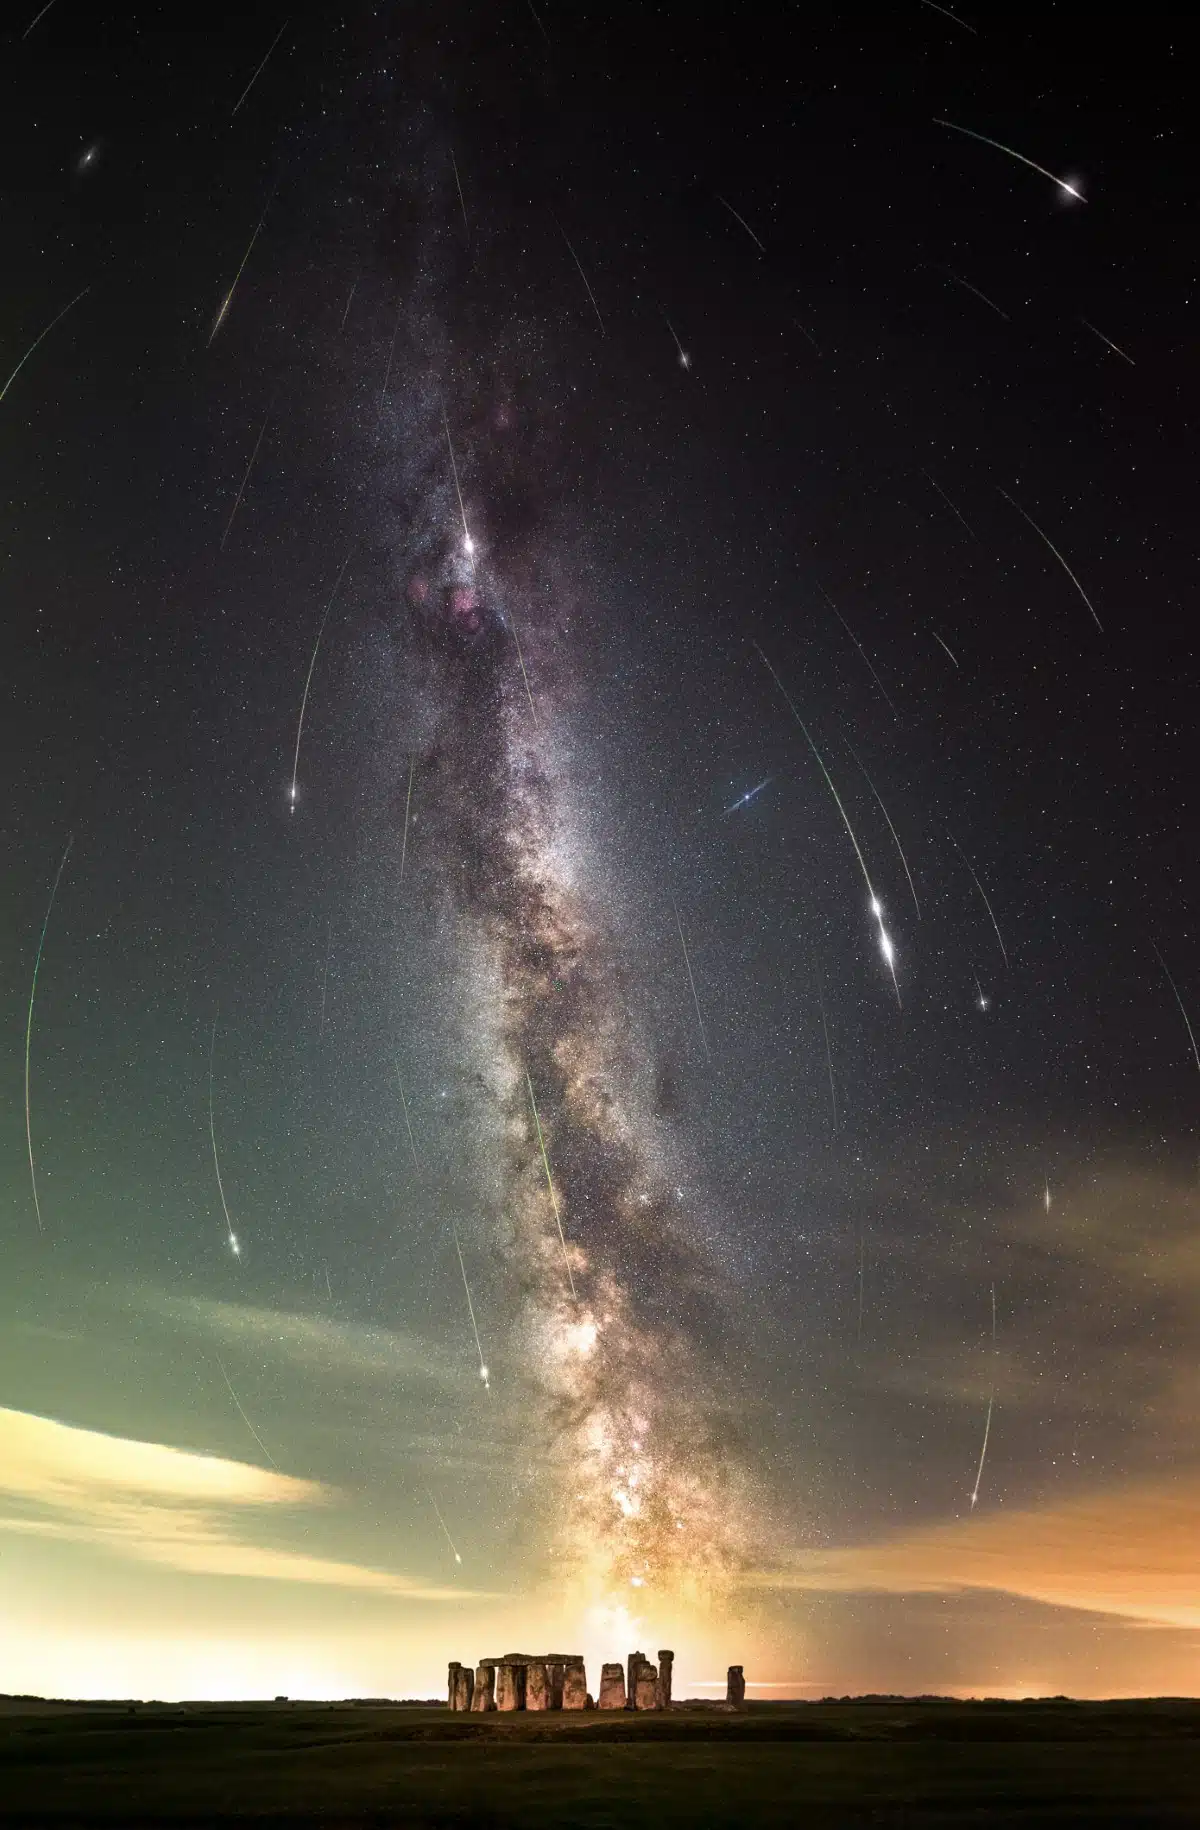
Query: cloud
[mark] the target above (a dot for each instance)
(167, 1506)
(1132, 1551)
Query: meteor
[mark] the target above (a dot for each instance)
(862, 651)
(42, 335)
(1115, 347)
(691, 981)
(745, 799)
(262, 66)
(550, 1185)
(29, 1026)
(1062, 184)
(461, 198)
(237, 501)
(483, 1371)
(1062, 562)
(742, 220)
(987, 905)
(947, 14)
(308, 682)
(468, 543)
(828, 1051)
(35, 19)
(349, 302)
(991, 1401)
(1046, 1196)
(1170, 981)
(412, 764)
(950, 506)
(887, 816)
(232, 1238)
(982, 1001)
(521, 658)
(408, 1123)
(885, 945)
(227, 301)
(937, 638)
(685, 361)
(441, 1521)
(387, 373)
(991, 303)
(241, 1413)
(583, 276)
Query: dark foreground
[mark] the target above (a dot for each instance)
(884, 1763)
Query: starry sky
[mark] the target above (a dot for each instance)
(598, 705)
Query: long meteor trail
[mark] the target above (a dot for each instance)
(262, 66)
(1182, 1011)
(987, 1428)
(441, 1521)
(885, 944)
(583, 276)
(1043, 536)
(483, 1371)
(887, 816)
(227, 301)
(308, 682)
(41, 337)
(237, 500)
(29, 1027)
(550, 1185)
(983, 893)
(241, 1413)
(691, 981)
(231, 1236)
(1020, 157)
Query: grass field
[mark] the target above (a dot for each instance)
(864, 1763)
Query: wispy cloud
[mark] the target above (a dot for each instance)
(168, 1506)
(1129, 1551)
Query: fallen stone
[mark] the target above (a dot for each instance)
(612, 1687)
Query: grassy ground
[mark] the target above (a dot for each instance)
(896, 1764)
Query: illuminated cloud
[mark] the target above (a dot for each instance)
(166, 1506)
(1126, 1551)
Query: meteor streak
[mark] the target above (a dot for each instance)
(745, 799)
(1062, 562)
(42, 335)
(387, 373)
(237, 501)
(1062, 184)
(1115, 347)
(583, 276)
(468, 543)
(241, 1413)
(483, 1371)
(521, 658)
(408, 1123)
(947, 14)
(550, 1185)
(685, 361)
(35, 19)
(441, 1521)
(232, 1238)
(937, 638)
(349, 302)
(887, 816)
(29, 1026)
(308, 682)
(1183, 1013)
(1046, 1196)
(461, 198)
(227, 301)
(742, 220)
(991, 1401)
(828, 1051)
(862, 651)
(412, 764)
(983, 1002)
(262, 66)
(987, 905)
(885, 945)
(691, 981)
(991, 303)
(949, 504)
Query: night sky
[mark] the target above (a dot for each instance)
(589, 560)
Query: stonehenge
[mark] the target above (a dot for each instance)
(536, 1681)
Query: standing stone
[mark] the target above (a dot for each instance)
(633, 1665)
(575, 1690)
(557, 1672)
(483, 1696)
(612, 1687)
(510, 1686)
(462, 1684)
(646, 1694)
(537, 1686)
(665, 1661)
(735, 1689)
